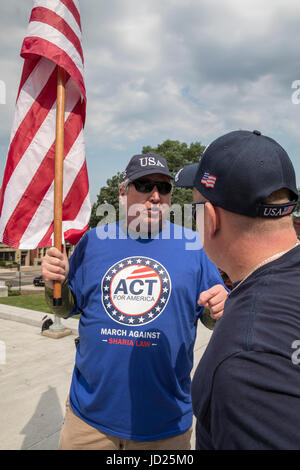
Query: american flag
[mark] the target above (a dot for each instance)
(27, 194)
(208, 180)
(289, 209)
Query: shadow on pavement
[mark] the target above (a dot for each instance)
(48, 416)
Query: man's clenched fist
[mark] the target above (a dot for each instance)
(55, 266)
(214, 299)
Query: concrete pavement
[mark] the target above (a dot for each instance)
(35, 379)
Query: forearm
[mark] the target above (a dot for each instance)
(66, 308)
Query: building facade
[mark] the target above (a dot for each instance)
(13, 256)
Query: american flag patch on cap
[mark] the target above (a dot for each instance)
(208, 180)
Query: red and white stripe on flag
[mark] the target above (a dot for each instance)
(27, 194)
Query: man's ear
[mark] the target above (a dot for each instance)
(212, 219)
(122, 196)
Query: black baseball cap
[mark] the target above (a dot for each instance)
(184, 178)
(239, 170)
(146, 164)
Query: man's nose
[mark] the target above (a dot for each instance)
(155, 195)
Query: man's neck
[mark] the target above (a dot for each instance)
(244, 258)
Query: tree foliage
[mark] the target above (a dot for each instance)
(178, 154)
(108, 194)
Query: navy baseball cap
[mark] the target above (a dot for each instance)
(184, 178)
(146, 164)
(239, 170)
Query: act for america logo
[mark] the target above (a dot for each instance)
(135, 290)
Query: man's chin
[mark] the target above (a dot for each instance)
(151, 224)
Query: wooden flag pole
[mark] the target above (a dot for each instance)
(57, 330)
(58, 175)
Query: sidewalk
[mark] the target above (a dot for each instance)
(35, 379)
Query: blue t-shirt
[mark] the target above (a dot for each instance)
(139, 312)
(246, 388)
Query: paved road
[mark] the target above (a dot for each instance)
(35, 379)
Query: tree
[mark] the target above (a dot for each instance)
(178, 154)
(108, 194)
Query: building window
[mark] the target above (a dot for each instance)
(7, 256)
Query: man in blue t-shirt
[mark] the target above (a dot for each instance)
(137, 289)
(246, 389)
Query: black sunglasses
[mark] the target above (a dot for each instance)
(194, 208)
(146, 186)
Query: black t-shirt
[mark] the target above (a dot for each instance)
(246, 389)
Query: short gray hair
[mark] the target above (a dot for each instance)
(125, 185)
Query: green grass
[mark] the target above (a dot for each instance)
(32, 302)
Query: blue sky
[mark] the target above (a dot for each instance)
(188, 70)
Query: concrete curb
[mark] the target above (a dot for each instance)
(32, 317)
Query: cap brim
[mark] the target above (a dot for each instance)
(156, 171)
(185, 176)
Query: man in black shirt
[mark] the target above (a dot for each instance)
(246, 389)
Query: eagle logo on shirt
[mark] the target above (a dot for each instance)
(135, 290)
